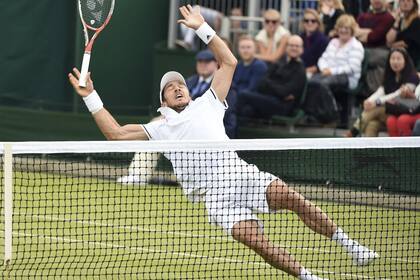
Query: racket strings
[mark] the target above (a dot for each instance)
(95, 12)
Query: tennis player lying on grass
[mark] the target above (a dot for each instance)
(239, 189)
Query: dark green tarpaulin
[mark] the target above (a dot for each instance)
(37, 47)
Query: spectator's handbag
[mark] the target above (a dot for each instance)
(401, 106)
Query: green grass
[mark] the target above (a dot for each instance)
(91, 228)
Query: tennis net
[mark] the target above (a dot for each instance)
(117, 210)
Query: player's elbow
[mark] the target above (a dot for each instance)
(111, 136)
(231, 62)
(114, 135)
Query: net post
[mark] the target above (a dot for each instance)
(8, 203)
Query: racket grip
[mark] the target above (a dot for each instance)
(84, 70)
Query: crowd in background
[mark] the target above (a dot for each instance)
(340, 44)
(371, 51)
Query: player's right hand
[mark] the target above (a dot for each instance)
(74, 81)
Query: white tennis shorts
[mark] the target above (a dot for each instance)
(238, 197)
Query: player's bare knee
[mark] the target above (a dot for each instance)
(248, 233)
(281, 196)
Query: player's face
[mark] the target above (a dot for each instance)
(176, 96)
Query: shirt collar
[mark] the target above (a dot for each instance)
(208, 80)
(171, 115)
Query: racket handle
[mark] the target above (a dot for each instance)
(84, 70)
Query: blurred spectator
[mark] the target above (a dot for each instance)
(403, 124)
(237, 24)
(416, 129)
(199, 83)
(340, 65)
(330, 10)
(237, 27)
(356, 7)
(249, 70)
(272, 39)
(405, 32)
(391, 5)
(373, 27)
(399, 75)
(280, 90)
(314, 40)
(190, 41)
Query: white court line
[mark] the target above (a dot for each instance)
(207, 258)
(175, 233)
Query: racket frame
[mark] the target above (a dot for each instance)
(89, 42)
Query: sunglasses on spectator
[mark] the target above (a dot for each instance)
(306, 20)
(268, 21)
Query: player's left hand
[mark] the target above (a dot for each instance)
(192, 17)
(74, 81)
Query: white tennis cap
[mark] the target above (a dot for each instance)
(167, 78)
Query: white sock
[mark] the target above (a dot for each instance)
(343, 239)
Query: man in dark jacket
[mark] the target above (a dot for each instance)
(199, 83)
(280, 90)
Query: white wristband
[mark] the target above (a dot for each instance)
(93, 102)
(206, 33)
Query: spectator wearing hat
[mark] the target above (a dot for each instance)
(198, 84)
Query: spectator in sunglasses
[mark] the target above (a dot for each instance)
(272, 39)
(314, 40)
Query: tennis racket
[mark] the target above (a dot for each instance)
(95, 15)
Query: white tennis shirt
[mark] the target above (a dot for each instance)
(202, 119)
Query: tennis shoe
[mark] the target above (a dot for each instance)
(362, 255)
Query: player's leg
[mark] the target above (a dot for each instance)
(250, 234)
(280, 196)
(228, 206)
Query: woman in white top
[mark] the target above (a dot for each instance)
(340, 66)
(272, 39)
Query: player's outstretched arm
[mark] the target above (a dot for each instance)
(227, 61)
(105, 121)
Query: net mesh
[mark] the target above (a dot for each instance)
(95, 12)
(122, 213)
